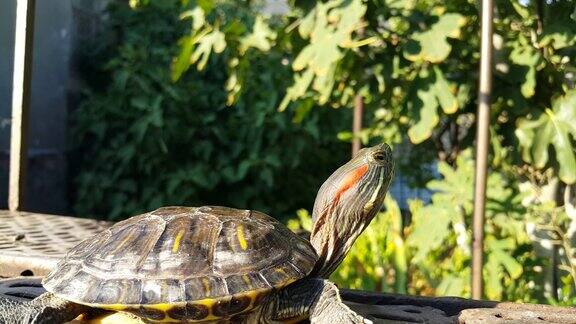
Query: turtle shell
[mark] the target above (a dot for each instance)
(183, 263)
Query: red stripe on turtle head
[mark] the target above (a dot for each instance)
(349, 181)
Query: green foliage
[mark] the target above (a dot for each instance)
(148, 141)
(452, 205)
(246, 94)
(432, 45)
(378, 255)
(329, 27)
(554, 127)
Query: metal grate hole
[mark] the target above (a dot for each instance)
(27, 273)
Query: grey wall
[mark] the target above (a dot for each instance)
(7, 13)
(47, 182)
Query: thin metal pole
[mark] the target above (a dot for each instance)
(357, 123)
(482, 137)
(24, 39)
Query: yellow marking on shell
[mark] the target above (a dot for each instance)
(282, 271)
(241, 238)
(121, 245)
(247, 281)
(374, 196)
(206, 284)
(252, 295)
(177, 240)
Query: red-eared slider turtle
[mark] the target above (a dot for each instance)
(205, 264)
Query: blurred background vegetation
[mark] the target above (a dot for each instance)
(225, 102)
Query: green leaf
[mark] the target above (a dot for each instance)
(555, 127)
(212, 41)
(329, 27)
(499, 258)
(456, 187)
(527, 57)
(492, 278)
(206, 5)
(182, 62)
(431, 45)
(451, 285)
(307, 24)
(185, 57)
(558, 36)
(261, 37)
(510, 264)
(298, 89)
(197, 15)
(424, 115)
(446, 99)
(320, 55)
(431, 92)
(401, 4)
(521, 10)
(431, 227)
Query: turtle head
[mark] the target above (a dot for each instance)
(347, 202)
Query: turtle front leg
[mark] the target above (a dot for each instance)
(46, 308)
(313, 298)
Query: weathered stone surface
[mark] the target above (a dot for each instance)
(391, 308)
(495, 315)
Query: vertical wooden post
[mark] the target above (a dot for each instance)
(357, 123)
(482, 139)
(24, 39)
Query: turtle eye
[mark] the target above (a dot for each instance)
(379, 156)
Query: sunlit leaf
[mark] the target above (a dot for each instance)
(425, 115)
(431, 227)
(556, 127)
(446, 99)
(212, 41)
(307, 24)
(197, 15)
(431, 45)
(329, 28)
(527, 57)
(558, 36)
(451, 286)
(261, 37)
(492, 278)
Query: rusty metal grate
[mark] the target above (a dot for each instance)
(31, 243)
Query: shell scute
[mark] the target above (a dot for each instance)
(251, 281)
(198, 288)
